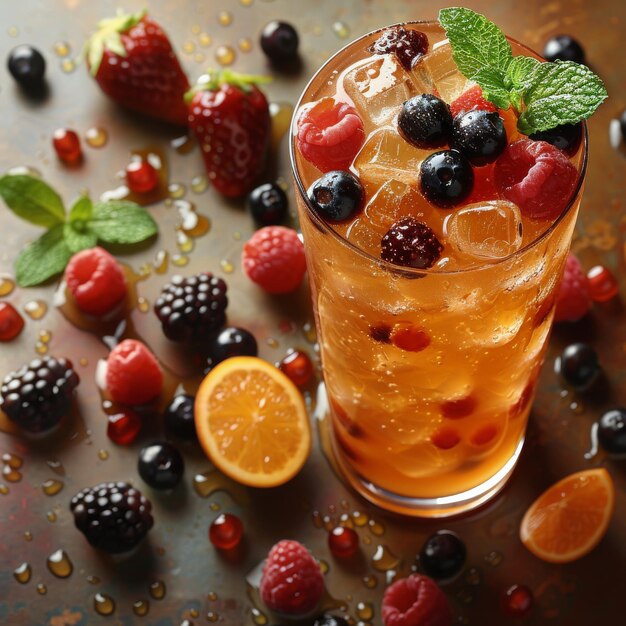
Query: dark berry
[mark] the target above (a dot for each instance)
(517, 601)
(298, 367)
(563, 48)
(446, 178)
(578, 365)
(343, 542)
(479, 135)
(566, 137)
(114, 517)
(193, 307)
(612, 431)
(268, 204)
(279, 41)
(407, 44)
(179, 416)
(230, 342)
(141, 177)
(123, 428)
(411, 243)
(330, 620)
(67, 145)
(336, 196)
(226, 531)
(161, 465)
(39, 394)
(443, 555)
(27, 65)
(425, 121)
(11, 322)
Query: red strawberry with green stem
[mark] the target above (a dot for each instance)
(133, 61)
(230, 118)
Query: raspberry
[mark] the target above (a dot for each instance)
(37, 396)
(415, 601)
(471, 100)
(292, 582)
(133, 374)
(96, 281)
(114, 517)
(407, 45)
(573, 299)
(192, 308)
(411, 243)
(273, 258)
(330, 134)
(536, 176)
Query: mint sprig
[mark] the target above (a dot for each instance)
(113, 222)
(545, 95)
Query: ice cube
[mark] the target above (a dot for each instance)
(385, 206)
(365, 236)
(378, 87)
(438, 71)
(485, 231)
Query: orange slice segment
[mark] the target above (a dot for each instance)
(252, 422)
(568, 520)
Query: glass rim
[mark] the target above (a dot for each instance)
(326, 228)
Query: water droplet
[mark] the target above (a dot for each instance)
(12, 460)
(13, 31)
(68, 66)
(225, 18)
(103, 604)
(28, 536)
(157, 589)
(199, 184)
(271, 342)
(341, 30)
(59, 564)
(141, 607)
(180, 260)
(176, 190)
(346, 521)
(225, 55)
(52, 487)
(22, 573)
(198, 57)
(364, 610)
(245, 44)
(384, 559)
(41, 348)
(494, 558)
(83, 361)
(93, 580)
(212, 596)
(61, 48)
(370, 581)
(195, 29)
(317, 519)
(11, 475)
(7, 285)
(4, 490)
(160, 262)
(51, 516)
(215, 506)
(360, 519)
(311, 336)
(376, 528)
(56, 467)
(96, 137)
(205, 40)
(45, 336)
(324, 566)
(42, 590)
(189, 47)
(184, 144)
(143, 305)
(103, 455)
(212, 616)
(227, 266)
(257, 617)
(593, 450)
(35, 309)
(184, 243)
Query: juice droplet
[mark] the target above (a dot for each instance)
(246, 3)
(346, 521)
(199, 184)
(376, 528)
(145, 270)
(42, 590)
(271, 342)
(7, 285)
(205, 40)
(83, 361)
(227, 266)
(281, 113)
(225, 55)
(56, 467)
(160, 262)
(52, 487)
(360, 519)
(364, 610)
(324, 566)
(180, 260)
(370, 581)
(341, 30)
(184, 144)
(35, 309)
(13, 31)
(11, 475)
(212, 616)
(59, 564)
(96, 137)
(257, 617)
(157, 589)
(317, 519)
(28, 536)
(103, 604)
(93, 580)
(384, 559)
(103, 455)
(310, 335)
(141, 607)
(184, 243)
(245, 45)
(45, 336)
(26, 170)
(68, 66)
(51, 516)
(214, 506)
(194, 613)
(494, 558)
(225, 18)
(61, 48)
(195, 29)
(12, 460)
(189, 47)
(143, 305)
(473, 576)
(212, 596)
(176, 190)
(22, 573)
(4, 490)
(41, 348)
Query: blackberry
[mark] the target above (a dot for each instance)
(192, 308)
(407, 44)
(39, 394)
(114, 517)
(411, 243)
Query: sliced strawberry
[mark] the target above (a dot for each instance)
(470, 100)
(330, 134)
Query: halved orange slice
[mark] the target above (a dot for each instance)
(568, 520)
(252, 422)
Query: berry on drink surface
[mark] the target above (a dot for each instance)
(226, 531)
(443, 555)
(425, 121)
(573, 299)
(578, 366)
(479, 135)
(279, 42)
(336, 196)
(563, 48)
(141, 177)
(268, 204)
(603, 285)
(471, 100)
(343, 542)
(411, 243)
(408, 45)
(67, 145)
(27, 66)
(612, 431)
(446, 178)
(11, 322)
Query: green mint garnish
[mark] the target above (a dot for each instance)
(115, 222)
(545, 95)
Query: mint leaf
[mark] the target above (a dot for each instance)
(81, 210)
(120, 221)
(559, 93)
(518, 76)
(79, 236)
(494, 89)
(476, 42)
(43, 258)
(31, 199)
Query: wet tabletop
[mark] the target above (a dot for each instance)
(177, 574)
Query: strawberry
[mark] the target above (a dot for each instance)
(230, 118)
(134, 63)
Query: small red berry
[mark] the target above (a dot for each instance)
(123, 428)
(459, 408)
(409, 338)
(343, 542)
(603, 285)
(11, 322)
(141, 177)
(298, 367)
(226, 531)
(517, 601)
(445, 438)
(572, 299)
(67, 145)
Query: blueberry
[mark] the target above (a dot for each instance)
(612, 431)
(179, 416)
(443, 555)
(161, 465)
(479, 135)
(231, 342)
(336, 196)
(27, 65)
(578, 366)
(566, 137)
(446, 178)
(279, 41)
(330, 620)
(425, 121)
(268, 204)
(563, 48)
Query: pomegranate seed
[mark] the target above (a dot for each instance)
(456, 409)
(484, 435)
(141, 177)
(602, 284)
(343, 542)
(226, 531)
(11, 322)
(410, 339)
(445, 438)
(517, 601)
(297, 366)
(123, 428)
(67, 145)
